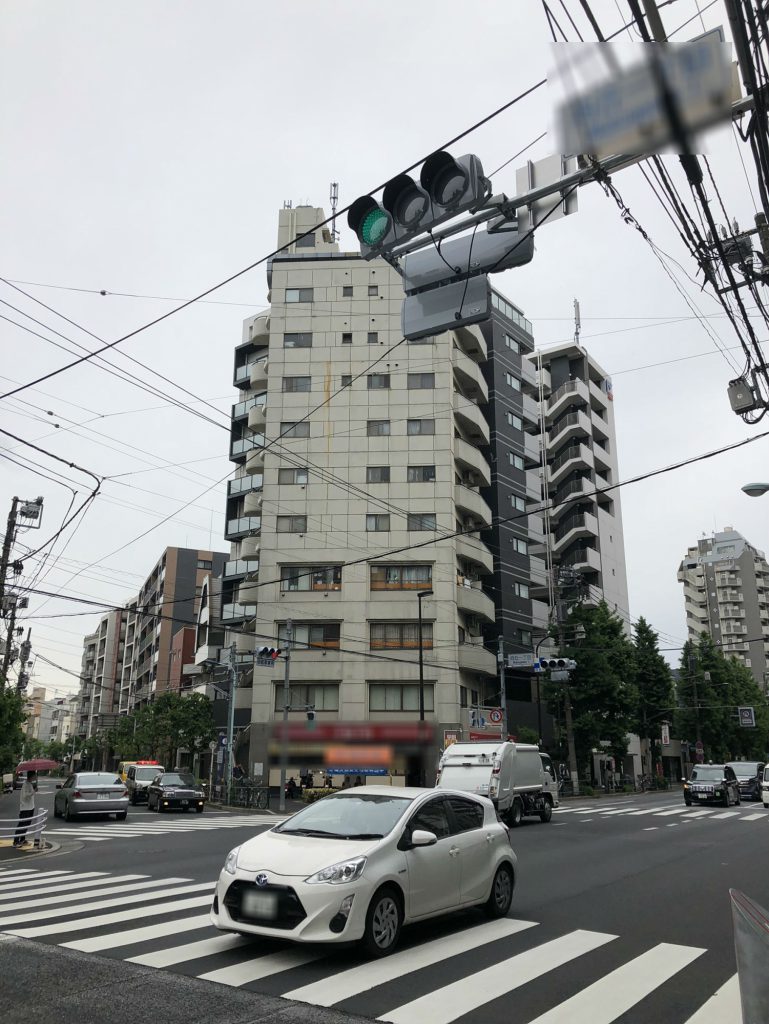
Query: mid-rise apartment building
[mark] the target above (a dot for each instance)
(100, 674)
(726, 594)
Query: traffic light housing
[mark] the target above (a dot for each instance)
(265, 653)
(557, 664)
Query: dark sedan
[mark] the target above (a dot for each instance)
(749, 775)
(174, 789)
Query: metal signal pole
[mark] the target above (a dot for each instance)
(286, 706)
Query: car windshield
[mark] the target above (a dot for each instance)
(359, 816)
(744, 769)
(177, 779)
(707, 773)
(145, 774)
(99, 779)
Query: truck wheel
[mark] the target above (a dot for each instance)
(547, 812)
(515, 816)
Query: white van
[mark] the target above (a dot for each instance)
(516, 777)
(765, 787)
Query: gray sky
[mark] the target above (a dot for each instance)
(148, 148)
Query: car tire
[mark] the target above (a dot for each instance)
(766, 806)
(134, 801)
(199, 810)
(384, 920)
(688, 802)
(121, 816)
(501, 895)
(56, 810)
(726, 801)
(515, 815)
(68, 815)
(546, 813)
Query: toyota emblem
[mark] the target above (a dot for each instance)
(261, 879)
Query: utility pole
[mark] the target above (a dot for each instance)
(9, 643)
(570, 742)
(10, 534)
(286, 706)
(231, 716)
(502, 690)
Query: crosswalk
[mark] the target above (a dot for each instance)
(551, 976)
(673, 814)
(147, 825)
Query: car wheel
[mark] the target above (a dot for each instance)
(199, 810)
(515, 817)
(55, 809)
(766, 805)
(68, 815)
(687, 801)
(121, 816)
(726, 801)
(547, 812)
(383, 923)
(134, 801)
(501, 895)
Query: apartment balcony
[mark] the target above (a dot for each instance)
(540, 613)
(475, 551)
(473, 504)
(696, 611)
(241, 410)
(471, 599)
(570, 492)
(471, 340)
(258, 375)
(543, 376)
(250, 546)
(471, 460)
(471, 419)
(573, 425)
(584, 524)
(577, 456)
(529, 373)
(572, 392)
(252, 504)
(257, 416)
(248, 593)
(207, 652)
(237, 612)
(530, 410)
(244, 484)
(255, 462)
(239, 568)
(475, 658)
(601, 457)
(583, 559)
(534, 485)
(732, 613)
(600, 426)
(727, 596)
(598, 395)
(260, 330)
(240, 448)
(469, 375)
(242, 527)
(532, 449)
(242, 375)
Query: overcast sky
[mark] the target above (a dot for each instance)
(147, 149)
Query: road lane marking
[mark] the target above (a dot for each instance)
(698, 814)
(616, 993)
(352, 982)
(81, 924)
(109, 890)
(262, 967)
(16, 874)
(621, 810)
(190, 951)
(460, 997)
(726, 814)
(88, 907)
(651, 828)
(29, 884)
(64, 886)
(753, 817)
(648, 810)
(676, 810)
(147, 933)
(723, 1007)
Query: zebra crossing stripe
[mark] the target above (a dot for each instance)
(446, 1004)
(262, 967)
(16, 874)
(727, 814)
(109, 890)
(616, 993)
(144, 934)
(752, 817)
(723, 1007)
(189, 951)
(67, 886)
(352, 982)
(27, 886)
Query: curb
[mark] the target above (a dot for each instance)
(49, 847)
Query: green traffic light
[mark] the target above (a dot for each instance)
(374, 227)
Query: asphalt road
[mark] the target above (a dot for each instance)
(623, 908)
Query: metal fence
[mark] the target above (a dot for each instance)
(242, 795)
(31, 828)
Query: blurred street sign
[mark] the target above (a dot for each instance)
(450, 736)
(495, 715)
(534, 175)
(747, 717)
(520, 660)
(559, 677)
(665, 734)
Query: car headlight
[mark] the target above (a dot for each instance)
(231, 862)
(686, 785)
(344, 871)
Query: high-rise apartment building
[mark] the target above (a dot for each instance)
(726, 594)
(100, 674)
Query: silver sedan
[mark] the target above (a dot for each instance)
(91, 793)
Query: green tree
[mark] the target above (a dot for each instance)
(654, 688)
(160, 728)
(58, 751)
(11, 734)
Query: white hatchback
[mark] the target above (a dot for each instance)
(360, 864)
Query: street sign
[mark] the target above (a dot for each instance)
(665, 735)
(520, 661)
(212, 745)
(477, 720)
(495, 715)
(559, 677)
(747, 717)
(544, 172)
(450, 736)
(223, 741)
(699, 745)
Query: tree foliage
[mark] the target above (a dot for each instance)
(11, 734)
(654, 687)
(162, 727)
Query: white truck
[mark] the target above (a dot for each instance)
(516, 777)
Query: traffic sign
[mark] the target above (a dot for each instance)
(212, 745)
(520, 660)
(495, 715)
(747, 717)
(699, 745)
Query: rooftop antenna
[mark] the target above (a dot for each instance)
(288, 204)
(577, 322)
(334, 201)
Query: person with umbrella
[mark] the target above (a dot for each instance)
(26, 808)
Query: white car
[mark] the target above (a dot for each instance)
(765, 787)
(360, 864)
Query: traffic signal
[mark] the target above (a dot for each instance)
(266, 653)
(557, 664)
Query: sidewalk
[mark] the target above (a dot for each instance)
(48, 985)
(9, 853)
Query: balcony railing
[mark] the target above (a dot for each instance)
(572, 523)
(247, 444)
(573, 487)
(243, 525)
(241, 409)
(572, 452)
(564, 389)
(245, 484)
(570, 420)
(241, 567)
(235, 612)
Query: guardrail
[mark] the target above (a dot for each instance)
(253, 797)
(31, 828)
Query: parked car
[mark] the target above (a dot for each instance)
(140, 775)
(361, 863)
(749, 776)
(175, 789)
(765, 787)
(711, 783)
(91, 793)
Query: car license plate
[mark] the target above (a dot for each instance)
(259, 904)
(102, 796)
(184, 803)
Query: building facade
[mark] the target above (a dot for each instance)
(726, 594)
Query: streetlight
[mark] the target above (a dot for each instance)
(756, 490)
(420, 595)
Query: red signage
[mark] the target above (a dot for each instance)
(358, 732)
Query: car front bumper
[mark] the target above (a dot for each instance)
(306, 913)
(180, 802)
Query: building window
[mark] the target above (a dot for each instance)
(514, 421)
(515, 460)
(401, 577)
(376, 523)
(205, 563)
(293, 384)
(420, 380)
(512, 344)
(520, 546)
(378, 428)
(346, 380)
(414, 427)
(513, 382)
(378, 381)
(298, 294)
(521, 590)
(373, 289)
(292, 524)
(461, 637)
(524, 637)
(306, 634)
(347, 291)
(377, 474)
(347, 338)
(373, 337)
(399, 696)
(518, 502)
(420, 474)
(295, 429)
(292, 476)
(420, 521)
(400, 636)
(321, 697)
(309, 577)
(306, 241)
(300, 340)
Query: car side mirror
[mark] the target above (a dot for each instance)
(421, 837)
(58, 785)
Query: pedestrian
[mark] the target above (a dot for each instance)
(291, 788)
(26, 808)
(358, 780)
(347, 782)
